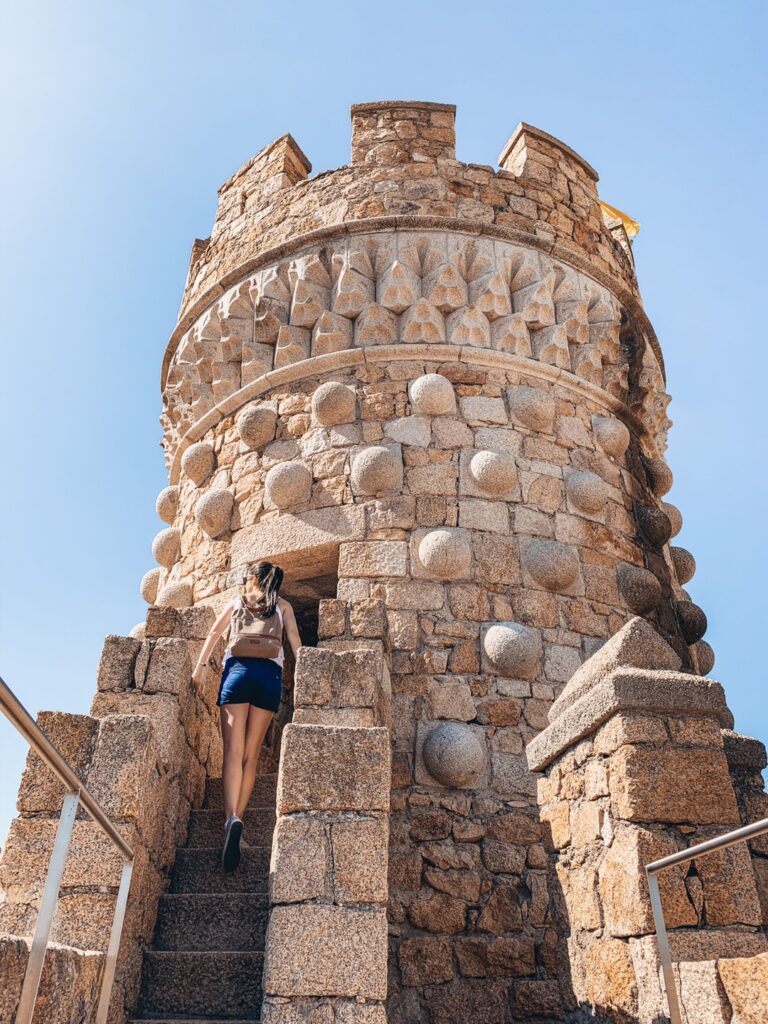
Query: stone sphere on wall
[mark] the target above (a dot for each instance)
(611, 435)
(376, 470)
(493, 472)
(586, 491)
(445, 554)
(533, 408)
(432, 395)
(655, 526)
(165, 546)
(674, 515)
(659, 476)
(551, 564)
(513, 649)
(288, 483)
(639, 588)
(256, 425)
(684, 563)
(333, 403)
(705, 656)
(198, 462)
(454, 754)
(150, 582)
(691, 620)
(214, 511)
(175, 595)
(167, 504)
(139, 631)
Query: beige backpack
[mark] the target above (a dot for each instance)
(253, 637)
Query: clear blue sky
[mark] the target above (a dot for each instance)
(120, 120)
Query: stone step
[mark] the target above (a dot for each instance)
(193, 1020)
(213, 985)
(263, 793)
(206, 828)
(206, 921)
(198, 870)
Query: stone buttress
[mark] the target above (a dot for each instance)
(428, 390)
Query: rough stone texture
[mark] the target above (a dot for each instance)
(551, 564)
(287, 484)
(586, 491)
(692, 621)
(150, 583)
(377, 470)
(445, 554)
(745, 981)
(611, 434)
(175, 595)
(432, 395)
(256, 425)
(532, 408)
(494, 473)
(213, 512)
(167, 503)
(684, 563)
(639, 588)
(453, 754)
(333, 403)
(198, 462)
(165, 547)
(513, 649)
(706, 657)
(69, 987)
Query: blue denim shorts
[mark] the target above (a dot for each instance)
(257, 681)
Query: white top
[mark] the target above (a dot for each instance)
(281, 656)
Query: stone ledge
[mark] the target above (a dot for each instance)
(373, 107)
(625, 689)
(528, 130)
(744, 752)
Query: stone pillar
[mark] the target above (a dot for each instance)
(397, 132)
(635, 770)
(326, 947)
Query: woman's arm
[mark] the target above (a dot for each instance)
(217, 630)
(291, 629)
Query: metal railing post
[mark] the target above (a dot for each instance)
(664, 952)
(47, 910)
(115, 934)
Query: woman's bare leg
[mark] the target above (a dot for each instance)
(256, 730)
(233, 727)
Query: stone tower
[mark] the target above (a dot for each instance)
(428, 390)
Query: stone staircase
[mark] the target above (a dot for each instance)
(207, 955)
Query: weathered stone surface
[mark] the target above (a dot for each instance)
(653, 523)
(445, 554)
(333, 403)
(298, 869)
(611, 435)
(691, 619)
(213, 512)
(170, 667)
(452, 701)
(453, 754)
(659, 476)
(175, 595)
(165, 546)
(637, 644)
(438, 912)
(533, 408)
(513, 649)
(74, 737)
(316, 950)
(675, 785)
(167, 504)
(198, 462)
(610, 979)
(327, 768)
(494, 472)
(586, 491)
(360, 861)
(745, 981)
(377, 470)
(425, 961)
(706, 657)
(256, 425)
(123, 765)
(69, 986)
(117, 662)
(551, 564)
(673, 514)
(730, 893)
(684, 563)
(287, 484)
(150, 582)
(373, 558)
(432, 395)
(639, 588)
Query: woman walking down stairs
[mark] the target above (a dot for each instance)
(208, 950)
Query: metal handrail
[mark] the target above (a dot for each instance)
(738, 835)
(76, 794)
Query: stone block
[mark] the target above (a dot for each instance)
(161, 709)
(451, 700)
(746, 986)
(118, 657)
(611, 986)
(730, 891)
(170, 667)
(313, 677)
(438, 912)
(69, 986)
(124, 766)
(74, 736)
(425, 961)
(325, 768)
(360, 860)
(298, 867)
(161, 622)
(323, 950)
(373, 558)
(673, 784)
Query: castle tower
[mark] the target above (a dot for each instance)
(429, 390)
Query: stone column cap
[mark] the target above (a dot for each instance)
(375, 105)
(628, 689)
(744, 752)
(530, 132)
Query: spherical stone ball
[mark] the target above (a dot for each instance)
(150, 582)
(256, 425)
(432, 395)
(533, 407)
(454, 754)
(691, 620)
(659, 476)
(333, 403)
(165, 546)
(494, 472)
(513, 649)
(139, 631)
(377, 469)
(167, 504)
(674, 515)
(611, 434)
(175, 595)
(705, 656)
(655, 526)
(684, 563)
(639, 588)
(586, 491)
(198, 462)
(288, 483)
(445, 554)
(214, 511)
(551, 564)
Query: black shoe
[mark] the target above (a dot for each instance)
(230, 855)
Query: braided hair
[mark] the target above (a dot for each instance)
(270, 578)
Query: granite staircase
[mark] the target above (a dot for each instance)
(206, 960)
